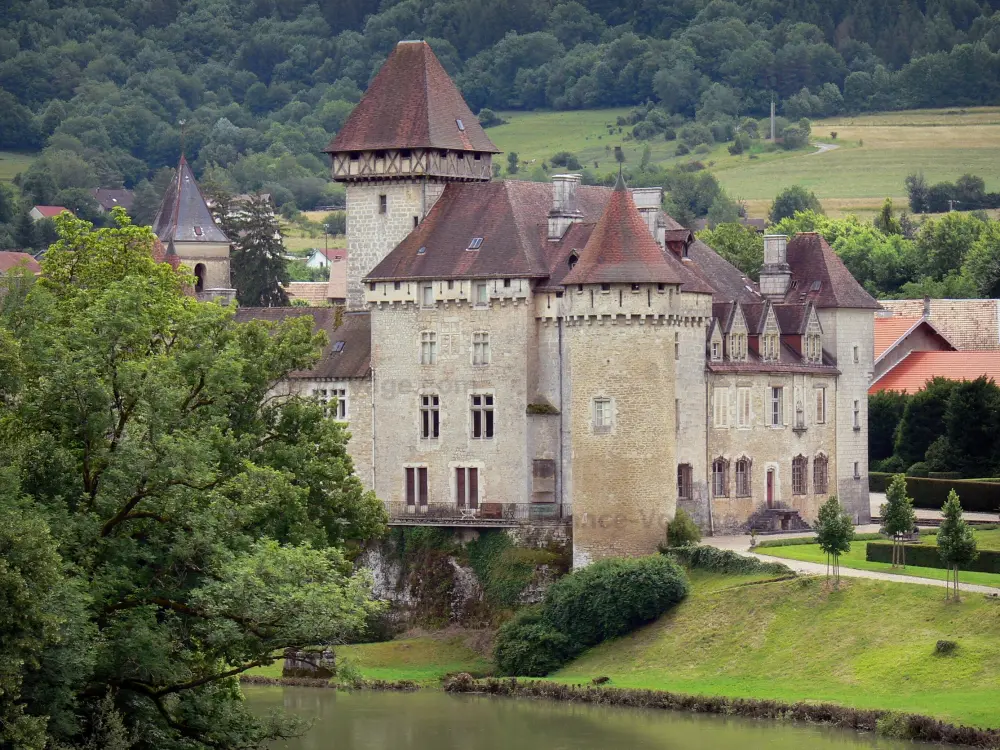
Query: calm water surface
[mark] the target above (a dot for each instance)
(437, 721)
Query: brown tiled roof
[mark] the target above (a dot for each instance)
(788, 360)
(10, 259)
(723, 312)
(969, 324)
(313, 292)
(354, 358)
(916, 368)
(111, 197)
(412, 103)
(621, 249)
(50, 212)
(819, 276)
(792, 319)
(183, 214)
(510, 216)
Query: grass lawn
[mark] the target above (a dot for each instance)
(423, 659)
(856, 559)
(12, 162)
(869, 644)
(875, 154)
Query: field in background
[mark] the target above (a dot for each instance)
(12, 162)
(875, 154)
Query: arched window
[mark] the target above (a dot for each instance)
(720, 477)
(199, 277)
(820, 480)
(573, 258)
(743, 477)
(799, 468)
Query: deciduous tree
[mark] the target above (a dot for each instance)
(898, 517)
(956, 542)
(834, 532)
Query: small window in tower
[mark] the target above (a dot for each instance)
(421, 251)
(635, 287)
(383, 204)
(661, 288)
(477, 156)
(338, 346)
(605, 287)
(451, 284)
(371, 287)
(506, 283)
(416, 221)
(355, 156)
(395, 285)
(405, 153)
(461, 125)
(475, 243)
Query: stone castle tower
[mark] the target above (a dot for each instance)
(185, 226)
(410, 135)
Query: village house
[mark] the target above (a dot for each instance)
(568, 357)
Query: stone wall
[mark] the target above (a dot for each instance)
(371, 234)
(214, 256)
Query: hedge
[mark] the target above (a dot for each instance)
(801, 540)
(926, 556)
(725, 561)
(979, 497)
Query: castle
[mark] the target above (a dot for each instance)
(519, 354)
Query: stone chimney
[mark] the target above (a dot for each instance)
(775, 275)
(648, 201)
(927, 306)
(564, 207)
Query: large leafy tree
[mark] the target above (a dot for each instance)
(203, 519)
(956, 542)
(742, 246)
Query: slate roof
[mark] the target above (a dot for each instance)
(969, 324)
(354, 358)
(727, 280)
(412, 103)
(820, 277)
(916, 368)
(183, 215)
(792, 319)
(108, 198)
(510, 216)
(788, 360)
(10, 259)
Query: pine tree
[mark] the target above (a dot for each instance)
(258, 260)
(834, 533)
(898, 517)
(956, 543)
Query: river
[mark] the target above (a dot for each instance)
(432, 720)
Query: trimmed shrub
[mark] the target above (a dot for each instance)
(613, 597)
(797, 541)
(724, 561)
(944, 475)
(919, 469)
(980, 497)
(682, 530)
(926, 556)
(878, 481)
(530, 646)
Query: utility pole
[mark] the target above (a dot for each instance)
(951, 204)
(772, 118)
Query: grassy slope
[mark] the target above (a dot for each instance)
(856, 559)
(875, 153)
(870, 644)
(12, 162)
(423, 659)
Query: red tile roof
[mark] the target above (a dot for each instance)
(333, 254)
(10, 259)
(819, 276)
(890, 330)
(51, 212)
(622, 249)
(914, 370)
(412, 103)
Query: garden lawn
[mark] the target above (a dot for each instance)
(423, 659)
(856, 559)
(870, 644)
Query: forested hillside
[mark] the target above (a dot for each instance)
(102, 85)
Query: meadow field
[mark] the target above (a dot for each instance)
(873, 154)
(12, 162)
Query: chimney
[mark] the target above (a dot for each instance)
(927, 306)
(775, 275)
(564, 209)
(648, 201)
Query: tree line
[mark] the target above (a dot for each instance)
(263, 86)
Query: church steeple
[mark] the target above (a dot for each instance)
(185, 226)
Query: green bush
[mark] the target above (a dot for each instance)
(878, 481)
(926, 556)
(502, 572)
(977, 496)
(530, 646)
(682, 530)
(944, 475)
(724, 561)
(612, 597)
(919, 469)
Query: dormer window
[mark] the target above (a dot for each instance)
(198, 231)
(461, 125)
(770, 346)
(573, 259)
(716, 350)
(475, 243)
(338, 346)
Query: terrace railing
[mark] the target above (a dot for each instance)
(486, 514)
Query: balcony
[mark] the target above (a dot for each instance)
(495, 515)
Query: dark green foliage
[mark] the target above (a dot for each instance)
(567, 160)
(885, 411)
(503, 570)
(490, 119)
(955, 540)
(928, 556)
(799, 541)
(530, 646)
(971, 420)
(923, 420)
(682, 530)
(977, 496)
(792, 200)
(259, 268)
(725, 561)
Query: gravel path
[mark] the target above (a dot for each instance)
(822, 148)
(741, 545)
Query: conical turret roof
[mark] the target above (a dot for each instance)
(184, 215)
(412, 103)
(622, 250)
